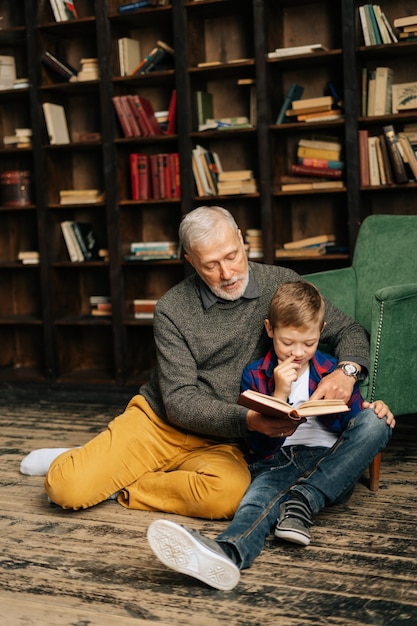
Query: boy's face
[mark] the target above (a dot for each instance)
(295, 343)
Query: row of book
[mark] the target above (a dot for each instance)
(153, 251)
(318, 165)
(142, 308)
(381, 96)
(155, 176)
(389, 157)
(132, 62)
(321, 108)
(376, 27)
(137, 116)
(211, 179)
(80, 241)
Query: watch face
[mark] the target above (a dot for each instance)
(350, 369)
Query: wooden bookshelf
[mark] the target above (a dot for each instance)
(221, 46)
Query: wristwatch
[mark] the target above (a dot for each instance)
(349, 369)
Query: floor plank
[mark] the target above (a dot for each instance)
(95, 568)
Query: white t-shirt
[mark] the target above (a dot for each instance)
(312, 432)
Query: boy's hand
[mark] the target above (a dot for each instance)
(285, 373)
(334, 386)
(382, 410)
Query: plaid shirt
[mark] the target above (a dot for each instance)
(259, 376)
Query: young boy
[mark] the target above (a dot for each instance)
(289, 473)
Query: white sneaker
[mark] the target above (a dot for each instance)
(190, 553)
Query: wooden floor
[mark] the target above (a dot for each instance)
(95, 568)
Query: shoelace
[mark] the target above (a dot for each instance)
(298, 510)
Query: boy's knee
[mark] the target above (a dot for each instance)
(373, 427)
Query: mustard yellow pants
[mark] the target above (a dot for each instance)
(153, 466)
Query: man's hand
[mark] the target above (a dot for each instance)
(271, 426)
(334, 386)
(382, 410)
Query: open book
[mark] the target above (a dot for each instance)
(268, 405)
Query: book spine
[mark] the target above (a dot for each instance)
(143, 175)
(154, 172)
(386, 160)
(121, 116)
(172, 113)
(294, 93)
(157, 58)
(397, 163)
(139, 114)
(132, 6)
(324, 172)
(70, 242)
(134, 176)
(80, 241)
(326, 163)
(363, 158)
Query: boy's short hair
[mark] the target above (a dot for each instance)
(296, 304)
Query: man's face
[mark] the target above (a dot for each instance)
(222, 263)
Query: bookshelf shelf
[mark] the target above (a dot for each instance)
(47, 332)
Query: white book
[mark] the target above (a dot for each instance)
(129, 55)
(374, 177)
(292, 51)
(7, 71)
(56, 123)
(385, 36)
(364, 24)
(383, 91)
(73, 248)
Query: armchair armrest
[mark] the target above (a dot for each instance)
(393, 348)
(339, 286)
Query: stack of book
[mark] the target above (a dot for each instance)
(226, 123)
(100, 306)
(253, 239)
(22, 138)
(80, 196)
(320, 109)
(144, 308)
(89, 70)
(387, 158)
(161, 57)
(407, 27)
(155, 176)
(376, 28)
(28, 257)
(295, 50)
(80, 241)
(318, 165)
(137, 117)
(309, 246)
(377, 91)
(153, 251)
(234, 182)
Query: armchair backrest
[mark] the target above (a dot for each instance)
(385, 255)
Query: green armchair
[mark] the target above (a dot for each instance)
(379, 290)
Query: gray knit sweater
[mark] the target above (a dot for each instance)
(201, 353)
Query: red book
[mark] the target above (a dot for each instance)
(154, 176)
(322, 172)
(142, 162)
(149, 113)
(172, 114)
(174, 168)
(134, 176)
(161, 161)
(122, 117)
(139, 115)
(363, 158)
(131, 119)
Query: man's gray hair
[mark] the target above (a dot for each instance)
(202, 223)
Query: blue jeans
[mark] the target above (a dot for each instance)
(324, 476)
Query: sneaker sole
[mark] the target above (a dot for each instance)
(176, 548)
(293, 536)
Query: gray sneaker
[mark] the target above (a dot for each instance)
(295, 519)
(190, 553)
